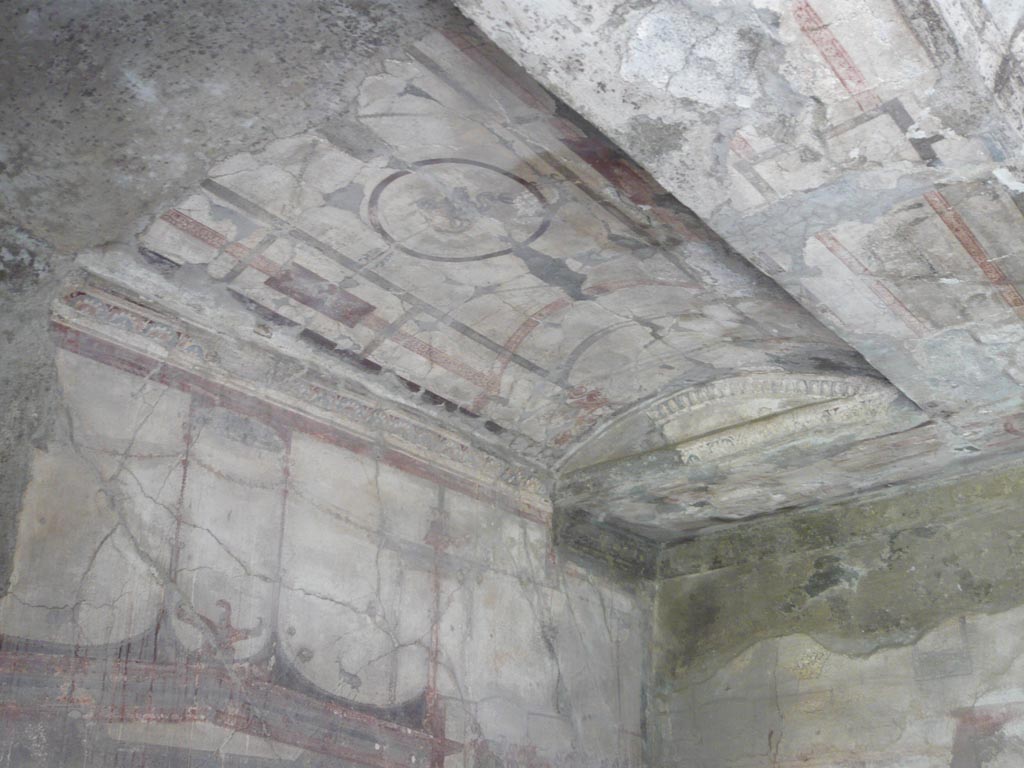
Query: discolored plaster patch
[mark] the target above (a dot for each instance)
(22, 261)
(857, 577)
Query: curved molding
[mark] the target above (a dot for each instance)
(734, 406)
(733, 448)
(812, 387)
(792, 423)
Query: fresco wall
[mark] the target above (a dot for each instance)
(203, 577)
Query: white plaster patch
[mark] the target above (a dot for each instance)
(1006, 178)
(1000, 697)
(690, 55)
(1007, 14)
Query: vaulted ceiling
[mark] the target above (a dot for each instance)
(802, 285)
(866, 156)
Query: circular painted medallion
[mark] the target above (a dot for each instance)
(449, 209)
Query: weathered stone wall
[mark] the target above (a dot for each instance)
(203, 578)
(877, 633)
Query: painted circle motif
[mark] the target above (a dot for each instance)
(450, 209)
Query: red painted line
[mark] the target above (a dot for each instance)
(211, 237)
(841, 252)
(494, 381)
(461, 39)
(352, 313)
(195, 229)
(533, 322)
(434, 721)
(284, 715)
(855, 265)
(962, 232)
(428, 352)
(139, 364)
(632, 181)
(741, 147)
(835, 55)
(443, 359)
(894, 303)
(607, 160)
(513, 343)
(327, 298)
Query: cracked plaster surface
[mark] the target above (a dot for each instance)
(463, 235)
(880, 632)
(211, 541)
(862, 155)
(156, 508)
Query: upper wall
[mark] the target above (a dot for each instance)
(208, 571)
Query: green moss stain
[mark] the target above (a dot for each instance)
(856, 577)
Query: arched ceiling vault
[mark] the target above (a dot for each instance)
(865, 156)
(462, 240)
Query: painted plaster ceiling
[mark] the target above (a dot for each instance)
(462, 234)
(865, 156)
